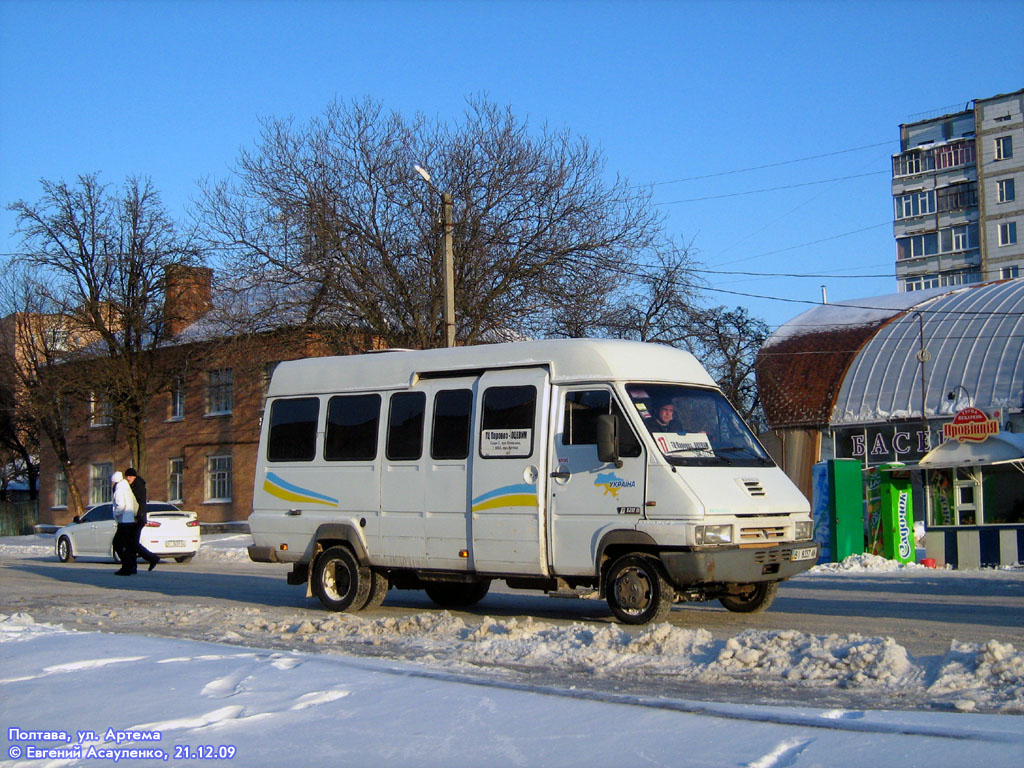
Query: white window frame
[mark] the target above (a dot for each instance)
(60, 489)
(177, 405)
(220, 396)
(219, 480)
(915, 204)
(176, 479)
(101, 412)
(1005, 191)
(100, 490)
(1008, 233)
(1003, 147)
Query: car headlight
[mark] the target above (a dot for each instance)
(804, 530)
(714, 534)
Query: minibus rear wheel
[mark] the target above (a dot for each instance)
(638, 591)
(339, 581)
(757, 599)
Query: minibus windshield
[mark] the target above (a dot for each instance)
(693, 426)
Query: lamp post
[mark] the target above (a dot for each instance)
(448, 258)
(923, 356)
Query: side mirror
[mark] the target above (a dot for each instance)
(76, 519)
(608, 439)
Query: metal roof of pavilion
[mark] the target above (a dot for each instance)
(974, 337)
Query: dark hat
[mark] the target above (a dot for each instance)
(130, 472)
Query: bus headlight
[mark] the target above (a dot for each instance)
(714, 534)
(804, 530)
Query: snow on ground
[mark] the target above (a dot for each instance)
(271, 706)
(91, 697)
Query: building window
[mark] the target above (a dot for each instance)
(268, 374)
(101, 411)
(219, 391)
(1008, 233)
(912, 162)
(956, 197)
(1005, 192)
(218, 478)
(177, 410)
(176, 479)
(917, 245)
(100, 489)
(915, 204)
(962, 238)
(952, 155)
(1009, 273)
(1004, 148)
(60, 489)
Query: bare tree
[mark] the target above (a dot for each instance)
(727, 341)
(333, 225)
(39, 390)
(100, 259)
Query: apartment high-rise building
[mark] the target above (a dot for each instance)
(958, 217)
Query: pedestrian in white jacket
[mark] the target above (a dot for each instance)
(125, 506)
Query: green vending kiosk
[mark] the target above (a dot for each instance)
(846, 508)
(897, 514)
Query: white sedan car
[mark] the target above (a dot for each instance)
(169, 532)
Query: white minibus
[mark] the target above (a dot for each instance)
(576, 464)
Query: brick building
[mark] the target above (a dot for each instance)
(202, 433)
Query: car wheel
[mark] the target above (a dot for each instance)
(339, 581)
(183, 558)
(458, 595)
(755, 598)
(64, 551)
(637, 590)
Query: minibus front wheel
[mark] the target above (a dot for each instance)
(754, 598)
(339, 581)
(638, 591)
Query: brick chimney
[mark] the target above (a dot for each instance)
(188, 295)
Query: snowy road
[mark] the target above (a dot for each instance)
(858, 638)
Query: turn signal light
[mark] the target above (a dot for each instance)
(463, 553)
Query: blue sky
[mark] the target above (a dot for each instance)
(684, 95)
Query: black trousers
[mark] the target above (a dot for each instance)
(125, 541)
(140, 550)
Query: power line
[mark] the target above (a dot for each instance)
(771, 165)
(773, 189)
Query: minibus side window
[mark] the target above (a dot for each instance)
(293, 429)
(352, 428)
(452, 412)
(405, 426)
(507, 428)
(580, 424)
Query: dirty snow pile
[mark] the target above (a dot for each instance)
(970, 676)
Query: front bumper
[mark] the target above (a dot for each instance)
(733, 565)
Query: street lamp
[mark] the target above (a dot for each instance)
(449, 259)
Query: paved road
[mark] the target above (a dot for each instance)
(923, 612)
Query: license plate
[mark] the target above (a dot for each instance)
(807, 553)
(174, 543)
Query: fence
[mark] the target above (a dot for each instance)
(18, 517)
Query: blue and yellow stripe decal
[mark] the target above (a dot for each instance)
(277, 486)
(509, 496)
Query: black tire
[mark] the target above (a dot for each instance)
(637, 590)
(183, 558)
(339, 581)
(64, 551)
(756, 599)
(379, 586)
(458, 594)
